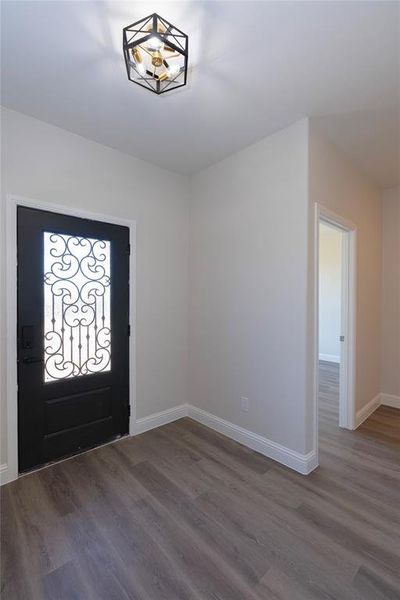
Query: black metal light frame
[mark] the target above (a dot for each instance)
(136, 34)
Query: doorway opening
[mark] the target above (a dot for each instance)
(335, 322)
(330, 333)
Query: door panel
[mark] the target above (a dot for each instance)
(73, 325)
(71, 411)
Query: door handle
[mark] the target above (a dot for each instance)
(29, 360)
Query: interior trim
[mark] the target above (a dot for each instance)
(10, 472)
(367, 410)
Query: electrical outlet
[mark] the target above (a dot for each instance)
(244, 404)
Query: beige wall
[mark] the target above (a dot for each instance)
(49, 164)
(248, 290)
(339, 186)
(390, 381)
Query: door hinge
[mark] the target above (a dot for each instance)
(129, 410)
(128, 249)
(129, 331)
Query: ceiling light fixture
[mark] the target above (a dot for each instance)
(156, 54)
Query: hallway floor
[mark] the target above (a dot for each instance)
(379, 432)
(183, 513)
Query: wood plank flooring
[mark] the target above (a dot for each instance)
(183, 513)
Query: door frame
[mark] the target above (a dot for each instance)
(347, 416)
(12, 202)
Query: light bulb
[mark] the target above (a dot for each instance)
(137, 57)
(154, 43)
(173, 70)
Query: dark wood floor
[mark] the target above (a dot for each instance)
(183, 513)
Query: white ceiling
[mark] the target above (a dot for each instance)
(256, 67)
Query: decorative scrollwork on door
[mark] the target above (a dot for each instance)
(77, 327)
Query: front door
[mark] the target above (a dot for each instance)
(73, 328)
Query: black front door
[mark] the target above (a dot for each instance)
(73, 328)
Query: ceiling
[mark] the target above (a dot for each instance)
(256, 67)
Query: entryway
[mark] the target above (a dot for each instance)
(72, 334)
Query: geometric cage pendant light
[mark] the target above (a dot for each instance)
(156, 54)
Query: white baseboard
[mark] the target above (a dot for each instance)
(367, 410)
(302, 463)
(390, 400)
(329, 358)
(160, 418)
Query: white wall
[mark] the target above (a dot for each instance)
(390, 381)
(330, 291)
(252, 282)
(250, 291)
(340, 187)
(49, 164)
(248, 287)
